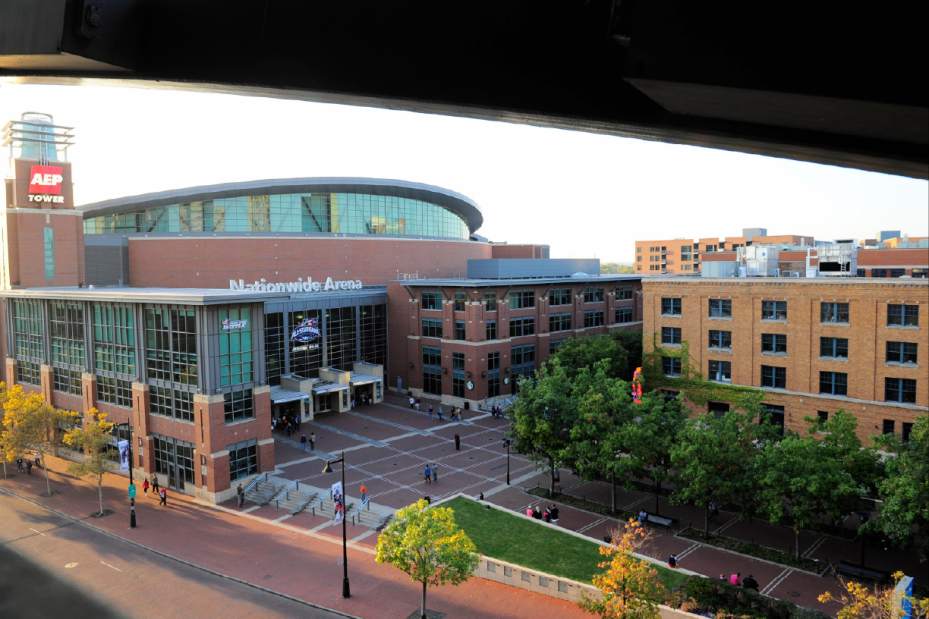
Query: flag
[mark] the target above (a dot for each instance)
(123, 447)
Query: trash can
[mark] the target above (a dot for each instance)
(467, 406)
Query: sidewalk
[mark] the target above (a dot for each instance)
(278, 558)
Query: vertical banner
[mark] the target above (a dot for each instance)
(123, 446)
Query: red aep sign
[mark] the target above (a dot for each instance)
(46, 179)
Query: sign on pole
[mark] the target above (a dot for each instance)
(123, 446)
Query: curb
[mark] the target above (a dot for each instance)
(165, 555)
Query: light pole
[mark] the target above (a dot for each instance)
(131, 483)
(506, 444)
(346, 591)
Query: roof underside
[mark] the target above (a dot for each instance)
(453, 201)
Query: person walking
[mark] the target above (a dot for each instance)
(435, 473)
(431, 412)
(29, 467)
(735, 579)
(412, 402)
(145, 487)
(303, 441)
(427, 473)
(163, 495)
(457, 443)
(312, 441)
(749, 582)
(155, 487)
(441, 413)
(672, 561)
(240, 495)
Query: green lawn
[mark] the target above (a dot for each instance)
(519, 540)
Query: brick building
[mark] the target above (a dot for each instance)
(812, 345)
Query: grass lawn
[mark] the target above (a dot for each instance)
(519, 540)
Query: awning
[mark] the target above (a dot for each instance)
(282, 396)
(365, 379)
(329, 387)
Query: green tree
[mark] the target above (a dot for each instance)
(584, 352)
(543, 416)
(629, 587)
(839, 435)
(648, 438)
(31, 424)
(714, 459)
(427, 544)
(904, 514)
(596, 438)
(92, 438)
(801, 482)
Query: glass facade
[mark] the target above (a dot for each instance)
(171, 344)
(28, 339)
(174, 458)
(114, 338)
(309, 213)
(274, 347)
(235, 345)
(374, 334)
(243, 459)
(340, 337)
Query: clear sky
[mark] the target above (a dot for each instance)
(586, 195)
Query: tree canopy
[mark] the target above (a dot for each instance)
(92, 438)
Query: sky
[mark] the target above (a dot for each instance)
(585, 195)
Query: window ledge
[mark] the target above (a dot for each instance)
(721, 382)
(671, 315)
(836, 359)
(238, 421)
(901, 364)
(828, 323)
(670, 345)
(720, 349)
(782, 321)
(904, 327)
(768, 353)
(719, 317)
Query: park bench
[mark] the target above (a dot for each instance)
(661, 521)
(859, 571)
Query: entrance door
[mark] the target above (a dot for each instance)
(174, 459)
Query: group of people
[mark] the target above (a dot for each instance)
(157, 490)
(364, 399)
(549, 514)
(735, 579)
(436, 412)
(24, 465)
(311, 441)
(431, 473)
(288, 424)
(496, 411)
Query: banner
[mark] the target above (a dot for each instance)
(336, 491)
(123, 446)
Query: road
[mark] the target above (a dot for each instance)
(52, 566)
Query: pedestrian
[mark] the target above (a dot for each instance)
(19, 465)
(643, 516)
(480, 497)
(427, 473)
(240, 495)
(303, 441)
(529, 512)
(435, 473)
(418, 404)
(145, 487)
(29, 467)
(553, 510)
(546, 515)
(441, 414)
(536, 513)
(672, 561)
(431, 411)
(312, 441)
(749, 582)
(412, 402)
(155, 488)
(163, 495)
(735, 579)
(457, 443)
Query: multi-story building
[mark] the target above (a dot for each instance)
(813, 346)
(683, 256)
(467, 340)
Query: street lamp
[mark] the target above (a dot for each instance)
(346, 591)
(131, 483)
(506, 444)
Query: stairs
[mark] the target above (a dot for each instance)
(293, 500)
(262, 491)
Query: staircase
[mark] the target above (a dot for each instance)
(262, 490)
(294, 500)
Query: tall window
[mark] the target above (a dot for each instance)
(774, 343)
(114, 391)
(623, 294)
(174, 458)
(490, 330)
(243, 459)
(460, 300)
(490, 301)
(899, 315)
(522, 326)
(237, 405)
(593, 319)
(67, 381)
(559, 322)
(593, 295)
(305, 342)
(460, 330)
(458, 386)
(835, 383)
(559, 296)
(431, 301)
(235, 345)
(671, 366)
(834, 347)
(720, 371)
(521, 299)
(66, 323)
(720, 308)
(493, 385)
(623, 314)
(28, 339)
(523, 356)
(774, 310)
(901, 352)
(833, 312)
(773, 414)
(48, 252)
(493, 360)
(374, 333)
(431, 327)
(458, 361)
(900, 390)
(432, 381)
(671, 306)
(720, 339)
(171, 343)
(432, 356)
(340, 337)
(175, 403)
(670, 335)
(114, 338)
(773, 377)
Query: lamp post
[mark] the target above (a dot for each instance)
(131, 482)
(346, 591)
(506, 444)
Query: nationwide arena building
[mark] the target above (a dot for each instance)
(192, 316)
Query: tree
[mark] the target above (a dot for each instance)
(904, 515)
(839, 435)
(92, 439)
(31, 423)
(860, 602)
(4, 457)
(427, 544)
(648, 438)
(584, 352)
(543, 416)
(713, 459)
(801, 482)
(630, 587)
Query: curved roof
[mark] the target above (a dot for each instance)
(453, 201)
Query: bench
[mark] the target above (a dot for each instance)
(859, 571)
(661, 521)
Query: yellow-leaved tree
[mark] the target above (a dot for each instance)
(427, 544)
(630, 587)
(861, 602)
(31, 424)
(4, 458)
(92, 438)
